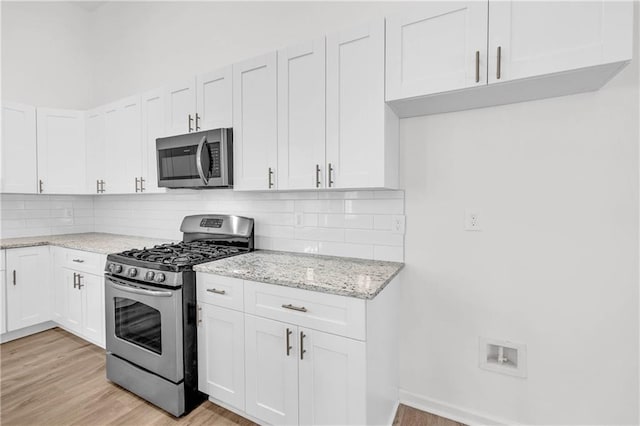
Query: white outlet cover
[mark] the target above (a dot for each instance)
(299, 219)
(472, 219)
(398, 224)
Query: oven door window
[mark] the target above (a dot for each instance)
(138, 324)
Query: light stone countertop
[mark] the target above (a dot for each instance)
(359, 278)
(96, 242)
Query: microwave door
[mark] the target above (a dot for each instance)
(177, 166)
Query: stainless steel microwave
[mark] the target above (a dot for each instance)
(196, 160)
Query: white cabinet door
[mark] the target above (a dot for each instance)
(95, 145)
(58, 286)
(301, 116)
(536, 38)
(28, 292)
(355, 107)
(3, 290)
(443, 48)
(61, 151)
(123, 144)
(18, 149)
(221, 354)
(214, 99)
(92, 290)
(153, 122)
(180, 107)
(271, 370)
(255, 130)
(73, 301)
(332, 379)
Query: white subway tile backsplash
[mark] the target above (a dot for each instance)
(338, 223)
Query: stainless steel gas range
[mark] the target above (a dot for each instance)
(150, 297)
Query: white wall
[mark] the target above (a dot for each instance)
(555, 265)
(45, 54)
(144, 45)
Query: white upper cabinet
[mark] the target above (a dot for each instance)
(61, 151)
(95, 146)
(362, 133)
(255, 124)
(536, 38)
(442, 48)
(123, 146)
(541, 49)
(301, 116)
(180, 107)
(18, 149)
(153, 127)
(214, 94)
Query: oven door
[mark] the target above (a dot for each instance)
(194, 160)
(144, 326)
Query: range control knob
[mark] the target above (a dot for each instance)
(132, 272)
(149, 275)
(115, 268)
(159, 277)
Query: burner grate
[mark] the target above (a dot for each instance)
(183, 253)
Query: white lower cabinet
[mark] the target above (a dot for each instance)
(3, 311)
(271, 366)
(28, 294)
(78, 298)
(221, 354)
(298, 366)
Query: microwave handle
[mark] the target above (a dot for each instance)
(199, 160)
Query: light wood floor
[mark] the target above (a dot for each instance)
(56, 378)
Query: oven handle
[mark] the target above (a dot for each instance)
(141, 290)
(199, 160)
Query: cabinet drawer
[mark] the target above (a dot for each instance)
(340, 315)
(79, 260)
(220, 291)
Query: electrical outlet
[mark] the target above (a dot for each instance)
(397, 224)
(68, 213)
(503, 356)
(472, 220)
(299, 219)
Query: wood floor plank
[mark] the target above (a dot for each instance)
(55, 378)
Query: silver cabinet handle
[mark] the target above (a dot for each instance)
(199, 160)
(499, 62)
(213, 290)
(477, 66)
(199, 315)
(80, 285)
(14, 277)
(136, 184)
(190, 120)
(197, 119)
(40, 183)
(75, 280)
(302, 349)
(330, 175)
(78, 260)
(270, 178)
(317, 175)
(102, 186)
(295, 308)
(97, 186)
(142, 188)
(289, 347)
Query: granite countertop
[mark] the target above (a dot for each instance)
(96, 242)
(359, 278)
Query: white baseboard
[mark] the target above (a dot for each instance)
(393, 413)
(450, 411)
(23, 332)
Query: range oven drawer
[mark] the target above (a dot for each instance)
(220, 291)
(344, 316)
